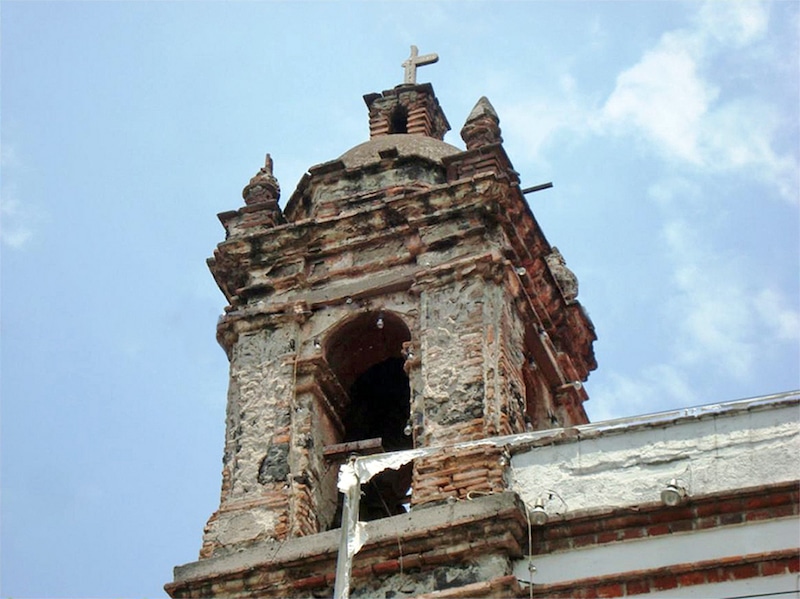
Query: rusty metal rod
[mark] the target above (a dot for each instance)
(537, 188)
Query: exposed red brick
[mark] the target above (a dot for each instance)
(637, 587)
(627, 521)
(388, 567)
(716, 575)
(557, 545)
(762, 514)
(671, 515)
(469, 474)
(657, 529)
(663, 583)
(794, 564)
(581, 592)
(771, 568)
(607, 537)
(707, 522)
(583, 541)
(633, 533)
(729, 506)
(767, 500)
(691, 578)
(409, 562)
(435, 558)
(706, 509)
(364, 572)
(307, 583)
(681, 526)
(727, 519)
(785, 510)
(584, 527)
(745, 571)
(611, 590)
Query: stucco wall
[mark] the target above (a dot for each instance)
(736, 533)
(729, 449)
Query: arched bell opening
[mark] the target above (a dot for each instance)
(365, 354)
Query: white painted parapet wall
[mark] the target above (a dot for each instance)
(719, 449)
(627, 462)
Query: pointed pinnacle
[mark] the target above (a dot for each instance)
(483, 108)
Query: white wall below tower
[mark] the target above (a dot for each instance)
(628, 462)
(736, 534)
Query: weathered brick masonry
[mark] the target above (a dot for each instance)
(406, 294)
(437, 243)
(461, 549)
(406, 298)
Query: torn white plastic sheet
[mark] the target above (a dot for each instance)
(368, 466)
(347, 477)
(354, 533)
(352, 538)
(358, 539)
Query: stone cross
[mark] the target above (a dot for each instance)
(412, 62)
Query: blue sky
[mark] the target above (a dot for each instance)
(669, 130)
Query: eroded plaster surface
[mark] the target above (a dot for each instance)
(707, 455)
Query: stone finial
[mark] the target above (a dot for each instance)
(263, 187)
(482, 127)
(565, 278)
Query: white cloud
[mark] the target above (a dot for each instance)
(709, 316)
(739, 134)
(664, 97)
(539, 120)
(724, 318)
(782, 321)
(670, 99)
(16, 238)
(736, 22)
(18, 219)
(14, 232)
(677, 100)
(681, 101)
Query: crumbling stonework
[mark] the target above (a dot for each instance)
(460, 549)
(404, 250)
(565, 279)
(404, 322)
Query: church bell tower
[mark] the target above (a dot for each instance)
(404, 297)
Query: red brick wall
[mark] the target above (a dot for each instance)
(719, 510)
(455, 476)
(684, 575)
(760, 503)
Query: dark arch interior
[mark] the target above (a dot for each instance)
(380, 407)
(399, 120)
(365, 354)
(360, 343)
